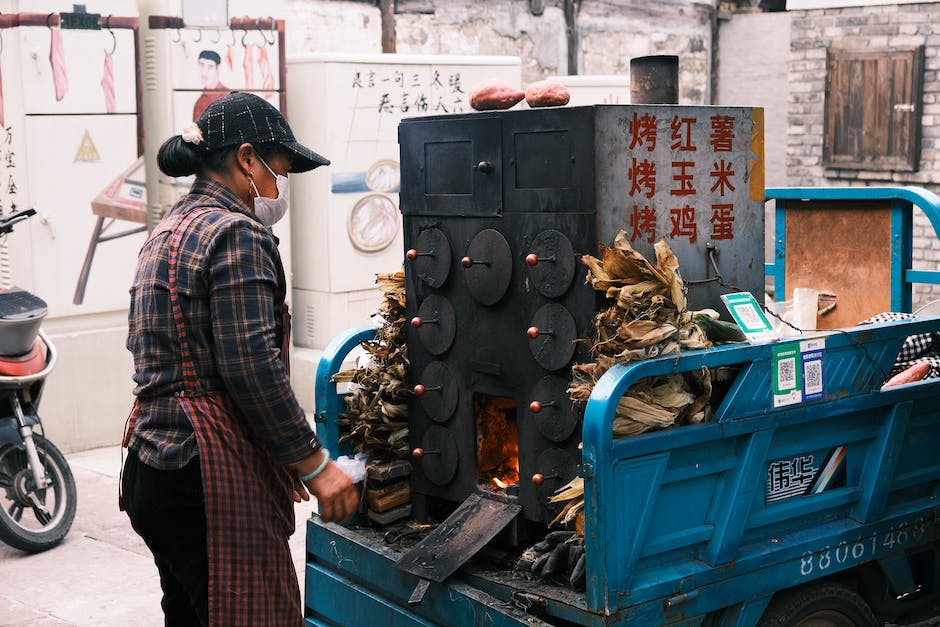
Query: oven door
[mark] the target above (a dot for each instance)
(451, 166)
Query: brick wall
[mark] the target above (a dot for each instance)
(812, 32)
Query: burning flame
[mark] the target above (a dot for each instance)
(497, 441)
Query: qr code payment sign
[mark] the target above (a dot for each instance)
(749, 317)
(786, 373)
(812, 377)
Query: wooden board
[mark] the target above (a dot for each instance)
(385, 498)
(843, 248)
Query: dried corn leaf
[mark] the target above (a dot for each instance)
(669, 266)
(573, 493)
(641, 333)
(572, 489)
(569, 512)
(647, 317)
(377, 411)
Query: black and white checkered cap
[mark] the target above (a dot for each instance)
(241, 117)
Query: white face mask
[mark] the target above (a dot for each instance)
(270, 210)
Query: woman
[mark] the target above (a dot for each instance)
(219, 446)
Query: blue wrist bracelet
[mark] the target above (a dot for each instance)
(313, 474)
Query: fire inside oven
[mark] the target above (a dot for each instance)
(497, 441)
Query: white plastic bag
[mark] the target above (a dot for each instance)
(355, 467)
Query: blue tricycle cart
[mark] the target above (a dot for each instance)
(770, 513)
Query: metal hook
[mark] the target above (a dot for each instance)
(232, 31)
(218, 37)
(107, 24)
(272, 31)
(179, 37)
(49, 21)
(199, 38)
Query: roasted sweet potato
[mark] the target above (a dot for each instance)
(909, 375)
(547, 94)
(495, 94)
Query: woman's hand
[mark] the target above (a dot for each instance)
(300, 491)
(336, 495)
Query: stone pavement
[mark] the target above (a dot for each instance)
(102, 574)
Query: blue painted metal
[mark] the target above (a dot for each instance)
(900, 200)
(676, 511)
(328, 404)
(350, 584)
(853, 406)
(678, 523)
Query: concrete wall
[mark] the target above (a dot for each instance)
(758, 80)
(885, 26)
(749, 78)
(613, 32)
(609, 33)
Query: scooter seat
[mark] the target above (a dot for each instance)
(26, 364)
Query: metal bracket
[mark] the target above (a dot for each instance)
(417, 594)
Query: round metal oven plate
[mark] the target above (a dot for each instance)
(440, 326)
(489, 276)
(552, 275)
(433, 263)
(555, 347)
(557, 421)
(439, 462)
(558, 467)
(439, 403)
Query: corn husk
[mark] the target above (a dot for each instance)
(376, 420)
(572, 495)
(647, 317)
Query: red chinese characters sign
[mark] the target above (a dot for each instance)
(685, 177)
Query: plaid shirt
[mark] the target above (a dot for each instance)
(232, 288)
(915, 348)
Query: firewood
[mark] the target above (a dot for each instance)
(385, 498)
(385, 518)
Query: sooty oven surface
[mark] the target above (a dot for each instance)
(497, 207)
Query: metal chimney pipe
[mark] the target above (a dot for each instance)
(654, 79)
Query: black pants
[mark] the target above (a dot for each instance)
(167, 510)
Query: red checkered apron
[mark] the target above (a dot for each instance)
(249, 498)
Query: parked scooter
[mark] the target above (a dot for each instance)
(37, 489)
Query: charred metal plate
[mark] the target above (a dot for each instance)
(554, 414)
(457, 539)
(431, 261)
(437, 325)
(557, 467)
(439, 455)
(488, 266)
(440, 391)
(551, 263)
(552, 336)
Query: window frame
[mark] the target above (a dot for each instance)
(839, 101)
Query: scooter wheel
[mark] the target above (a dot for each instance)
(35, 520)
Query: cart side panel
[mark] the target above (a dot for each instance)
(351, 580)
(765, 488)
